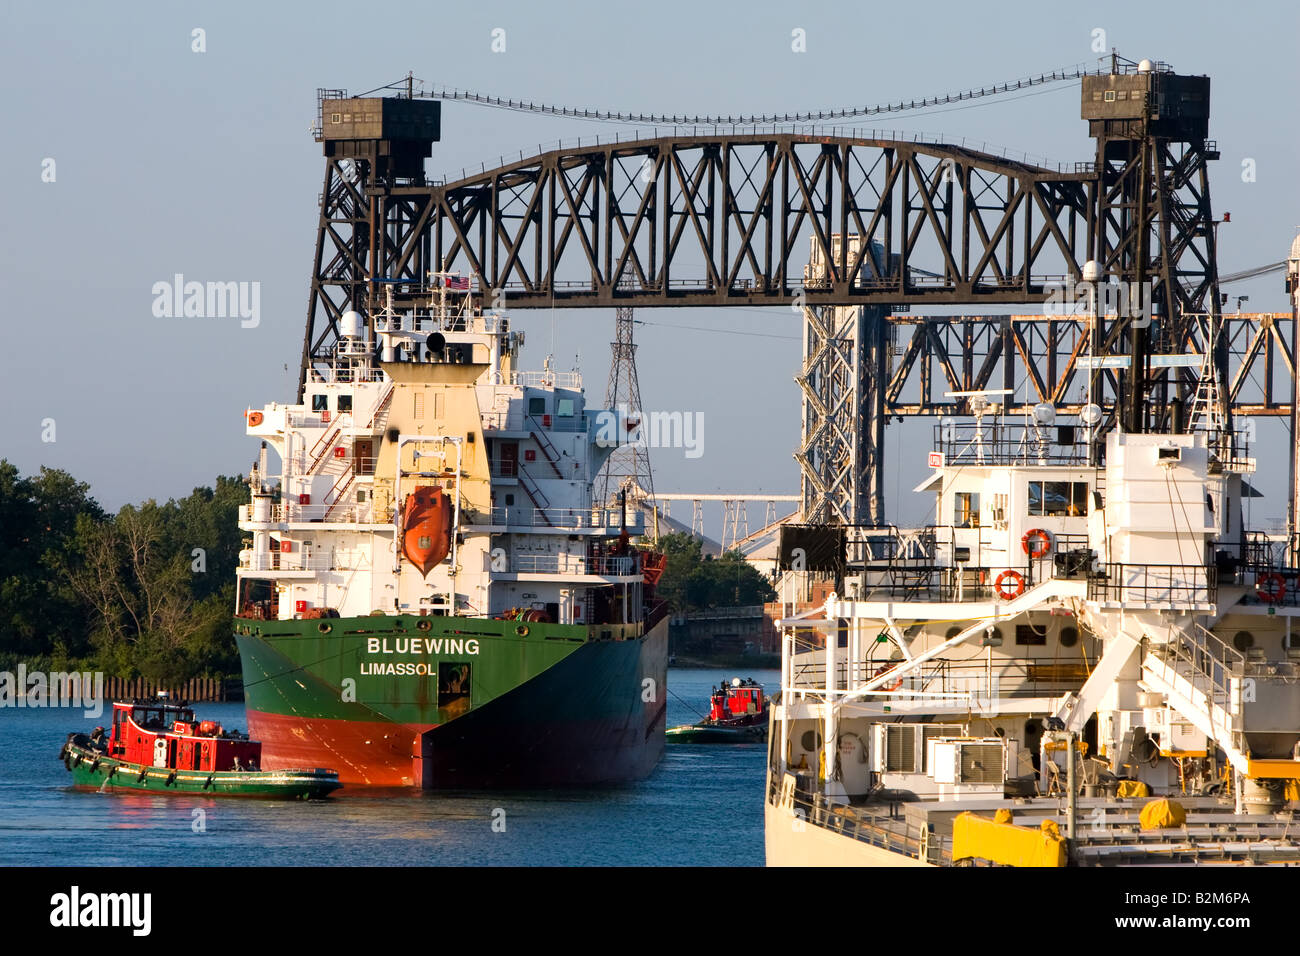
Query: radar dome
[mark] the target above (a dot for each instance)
(350, 325)
(1145, 66)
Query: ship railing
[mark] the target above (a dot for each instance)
(976, 680)
(1154, 584)
(609, 519)
(1259, 553)
(1210, 662)
(605, 566)
(297, 561)
(503, 420)
(544, 379)
(1000, 442)
(886, 832)
(348, 513)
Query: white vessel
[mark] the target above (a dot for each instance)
(1087, 632)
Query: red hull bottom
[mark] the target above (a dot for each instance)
(374, 753)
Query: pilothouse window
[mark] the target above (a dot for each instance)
(1058, 499)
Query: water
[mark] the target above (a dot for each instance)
(702, 806)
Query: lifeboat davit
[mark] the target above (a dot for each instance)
(426, 523)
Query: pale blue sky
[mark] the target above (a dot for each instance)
(172, 161)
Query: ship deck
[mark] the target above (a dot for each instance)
(1213, 834)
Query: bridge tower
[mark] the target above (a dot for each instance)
(1154, 232)
(841, 380)
(374, 147)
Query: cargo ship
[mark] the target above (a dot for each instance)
(429, 596)
(1089, 659)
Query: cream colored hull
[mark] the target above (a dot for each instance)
(792, 842)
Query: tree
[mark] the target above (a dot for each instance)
(693, 580)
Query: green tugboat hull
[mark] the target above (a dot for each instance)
(700, 734)
(93, 770)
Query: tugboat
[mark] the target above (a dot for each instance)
(162, 748)
(737, 715)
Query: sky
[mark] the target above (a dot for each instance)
(131, 156)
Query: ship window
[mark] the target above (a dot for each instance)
(345, 403)
(564, 407)
(1058, 499)
(1027, 634)
(424, 542)
(320, 403)
(453, 682)
(537, 406)
(966, 509)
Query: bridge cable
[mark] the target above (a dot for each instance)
(481, 99)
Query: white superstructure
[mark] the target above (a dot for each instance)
(435, 399)
(1105, 602)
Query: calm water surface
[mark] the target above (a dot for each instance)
(702, 806)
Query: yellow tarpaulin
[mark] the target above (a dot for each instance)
(1133, 788)
(997, 842)
(1162, 815)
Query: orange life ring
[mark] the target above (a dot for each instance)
(1036, 533)
(1009, 575)
(1270, 587)
(885, 670)
(254, 419)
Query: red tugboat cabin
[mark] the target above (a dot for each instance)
(737, 700)
(167, 735)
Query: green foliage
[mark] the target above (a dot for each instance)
(693, 580)
(146, 592)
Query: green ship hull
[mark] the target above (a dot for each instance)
(439, 702)
(94, 770)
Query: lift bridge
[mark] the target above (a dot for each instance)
(867, 235)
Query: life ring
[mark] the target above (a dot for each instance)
(254, 419)
(1013, 576)
(1270, 587)
(883, 671)
(522, 630)
(1045, 537)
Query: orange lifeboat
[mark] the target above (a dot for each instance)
(426, 523)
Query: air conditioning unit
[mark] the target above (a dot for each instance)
(972, 761)
(903, 748)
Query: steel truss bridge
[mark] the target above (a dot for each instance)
(824, 221)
